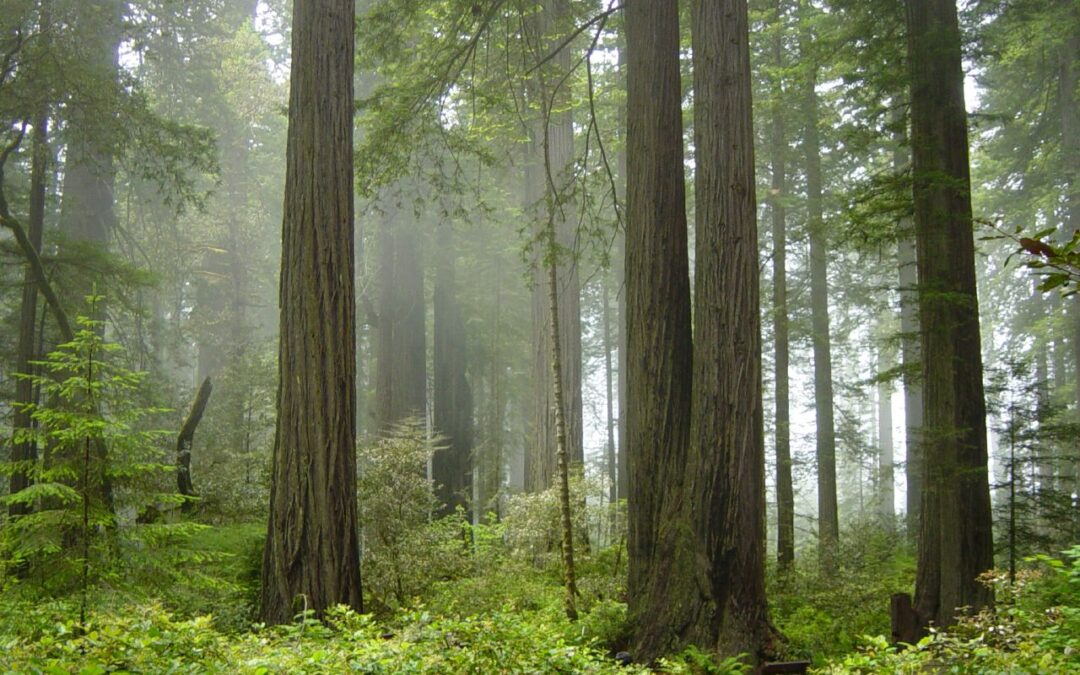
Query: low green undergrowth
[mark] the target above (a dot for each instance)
(821, 611)
(147, 639)
(1034, 628)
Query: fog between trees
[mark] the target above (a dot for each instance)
(714, 292)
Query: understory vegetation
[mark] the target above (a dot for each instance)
(446, 596)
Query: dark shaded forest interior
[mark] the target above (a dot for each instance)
(573, 336)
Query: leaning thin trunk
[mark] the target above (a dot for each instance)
(184, 442)
(25, 450)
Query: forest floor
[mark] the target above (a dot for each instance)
(192, 611)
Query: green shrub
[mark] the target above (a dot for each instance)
(149, 640)
(105, 470)
(821, 615)
(1034, 628)
(405, 550)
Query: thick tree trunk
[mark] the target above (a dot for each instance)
(828, 515)
(697, 500)
(785, 494)
(87, 213)
(623, 473)
(311, 559)
(726, 467)
(659, 349)
(452, 401)
(955, 538)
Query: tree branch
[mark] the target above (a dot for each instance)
(38, 271)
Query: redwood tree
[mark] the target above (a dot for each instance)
(726, 466)
(311, 560)
(955, 539)
(657, 288)
(697, 481)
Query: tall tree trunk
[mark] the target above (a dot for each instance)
(311, 559)
(495, 460)
(659, 349)
(26, 449)
(886, 486)
(623, 472)
(549, 179)
(87, 214)
(785, 494)
(400, 342)
(609, 455)
(1068, 84)
(910, 348)
(828, 518)
(452, 399)
(726, 466)
(561, 451)
(955, 537)
(697, 501)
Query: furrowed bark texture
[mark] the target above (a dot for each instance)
(657, 291)
(726, 466)
(311, 559)
(955, 540)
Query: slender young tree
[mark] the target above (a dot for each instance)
(955, 538)
(311, 560)
(886, 485)
(548, 184)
